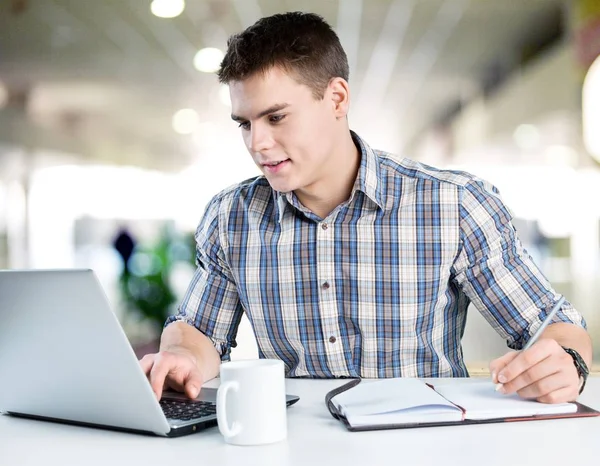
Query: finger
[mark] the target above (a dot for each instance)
(544, 387)
(158, 374)
(562, 395)
(562, 374)
(525, 360)
(529, 380)
(147, 362)
(498, 364)
(172, 384)
(193, 383)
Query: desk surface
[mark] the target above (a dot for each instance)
(314, 437)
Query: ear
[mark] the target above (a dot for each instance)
(338, 92)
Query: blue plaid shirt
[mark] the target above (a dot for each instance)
(380, 287)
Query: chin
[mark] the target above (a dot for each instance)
(282, 186)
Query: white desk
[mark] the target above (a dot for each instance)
(314, 437)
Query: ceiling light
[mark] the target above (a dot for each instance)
(591, 110)
(167, 8)
(185, 121)
(208, 60)
(3, 95)
(527, 137)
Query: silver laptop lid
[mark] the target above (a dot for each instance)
(64, 355)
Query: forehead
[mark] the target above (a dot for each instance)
(265, 89)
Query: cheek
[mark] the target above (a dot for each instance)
(319, 135)
(312, 130)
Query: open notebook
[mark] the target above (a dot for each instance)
(408, 402)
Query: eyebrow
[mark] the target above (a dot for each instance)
(271, 109)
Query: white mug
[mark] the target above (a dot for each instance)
(251, 402)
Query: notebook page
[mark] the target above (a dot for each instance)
(481, 401)
(398, 400)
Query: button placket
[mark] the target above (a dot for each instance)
(328, 305)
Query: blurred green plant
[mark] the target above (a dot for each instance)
(145, 282)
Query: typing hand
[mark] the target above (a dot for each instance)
(175, 370)
(544, 372)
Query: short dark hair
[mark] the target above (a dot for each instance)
(302, 44)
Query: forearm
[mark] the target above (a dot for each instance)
(571, 336)
(180, 337)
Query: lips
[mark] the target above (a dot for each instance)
(275, 166)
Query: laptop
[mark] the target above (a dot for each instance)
(64, 357)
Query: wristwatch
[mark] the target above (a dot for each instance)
(580, 365)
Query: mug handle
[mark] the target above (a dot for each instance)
(236, 428)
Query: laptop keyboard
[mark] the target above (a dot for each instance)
(187, 410)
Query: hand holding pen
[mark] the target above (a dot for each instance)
(542, 370)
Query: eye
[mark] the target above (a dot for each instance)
(245, 125)
(276, 118)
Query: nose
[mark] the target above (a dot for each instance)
(260, 138)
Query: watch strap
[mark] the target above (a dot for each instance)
(582, 369)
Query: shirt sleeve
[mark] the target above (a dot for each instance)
(211, 303)
(496, 272)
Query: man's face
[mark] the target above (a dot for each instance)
(288, 133)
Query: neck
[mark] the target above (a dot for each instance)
(335, 186)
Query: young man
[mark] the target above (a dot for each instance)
(348, 261)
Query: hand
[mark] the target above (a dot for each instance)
(175, 370)
(544, 372)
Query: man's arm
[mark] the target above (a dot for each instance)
(194, 340)
(506, 286)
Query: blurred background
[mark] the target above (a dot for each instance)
(115, 133)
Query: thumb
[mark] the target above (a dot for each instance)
(500, 363)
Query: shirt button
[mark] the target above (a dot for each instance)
(325, 285)
(332, 339)
(324, 226)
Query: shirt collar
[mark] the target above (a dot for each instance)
(281, 200)
(368, 180)
(369, 174)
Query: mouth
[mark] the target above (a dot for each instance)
(275, 166)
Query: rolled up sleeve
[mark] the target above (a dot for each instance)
(211, 303)
(497, 274)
